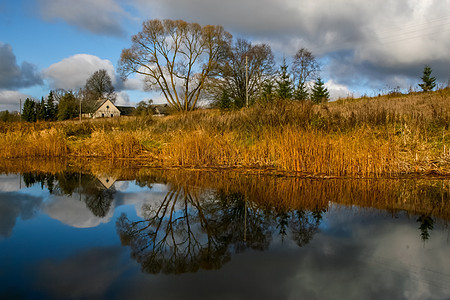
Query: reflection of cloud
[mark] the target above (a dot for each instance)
(13, 205)
(356, 256)
(143, 199)
(10, 183)
(89, 274)
(73, 212)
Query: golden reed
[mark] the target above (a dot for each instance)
(350, 137)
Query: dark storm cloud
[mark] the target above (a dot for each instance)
(13, 75)
(379, 78)
(98, 17)
(390, 41)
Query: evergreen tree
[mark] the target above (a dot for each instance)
(429, 82)
(29, 110)
(268, 93)
(224, 101)
(41, 110)
(51, 108)
(301, 92)
(284, 83)
(67, 107)
(319, 92)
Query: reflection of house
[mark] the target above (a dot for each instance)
(106, 180)
(107, 109)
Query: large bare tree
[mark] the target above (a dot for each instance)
(305, 69)
(98, 87)
(176, 58)
(233, 71)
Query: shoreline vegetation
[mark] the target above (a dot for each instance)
(389, 135)
(416, 196)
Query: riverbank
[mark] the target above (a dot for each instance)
(384, 136)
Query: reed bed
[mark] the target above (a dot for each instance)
(350, 137)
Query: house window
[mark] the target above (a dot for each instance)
(107, 107)
(103, 115)
(112, 115)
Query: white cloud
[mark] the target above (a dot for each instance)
(71, 73)
(10, 100)
(123, 99)
(338, 90)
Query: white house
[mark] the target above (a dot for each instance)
(106, 109)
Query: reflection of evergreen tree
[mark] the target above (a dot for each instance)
(68, 183)
(304, 225)
(46, 180)
(29, 179)
(426, 225)
(283, 222)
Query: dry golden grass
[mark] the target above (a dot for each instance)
(354, 137)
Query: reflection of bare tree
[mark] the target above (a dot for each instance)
(175, 236)
(188, 230)
(242, 222)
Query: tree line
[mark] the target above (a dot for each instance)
(63, 105)
(187, 62)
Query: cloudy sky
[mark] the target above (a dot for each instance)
(364, 47)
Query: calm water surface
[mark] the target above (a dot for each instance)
(175, 235)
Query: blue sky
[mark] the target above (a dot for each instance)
(363, 47)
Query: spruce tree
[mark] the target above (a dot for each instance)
(301, 92)
(429, 82)
(51, 107)
(29, 110)
(319, 92)
(284, 83)
(67, 107)
(268, 93)
(41, 110)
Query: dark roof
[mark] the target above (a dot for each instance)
(126, 110)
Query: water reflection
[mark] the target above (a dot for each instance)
(96, 191)
(14, 205)
(191, 229)
(296, 238)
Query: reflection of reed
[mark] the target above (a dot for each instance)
(416, 196)
(286, 193)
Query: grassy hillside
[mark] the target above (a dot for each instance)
(387, 135)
